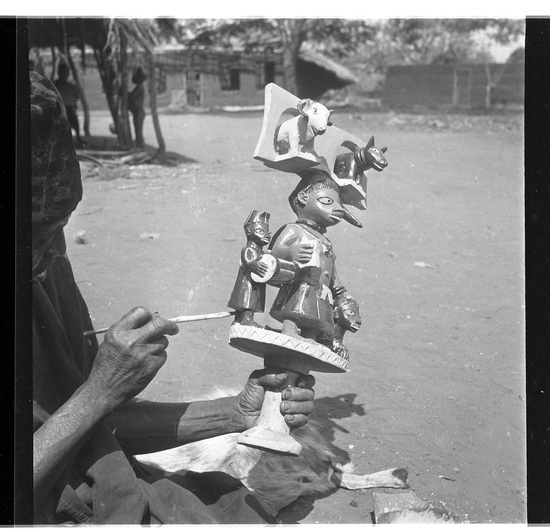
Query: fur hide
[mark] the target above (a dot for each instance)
(276, 479)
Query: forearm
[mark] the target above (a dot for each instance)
(146, 426)
(61, 435)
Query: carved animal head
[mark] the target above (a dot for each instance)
(346, 314)
(373, 157)
(317, 115)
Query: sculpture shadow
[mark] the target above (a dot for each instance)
(327, 411)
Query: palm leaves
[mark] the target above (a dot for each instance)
(137, 34)
(134, 36)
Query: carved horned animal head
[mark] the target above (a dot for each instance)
(317, 114)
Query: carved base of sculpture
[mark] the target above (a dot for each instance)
(271, 431)
(293, 354)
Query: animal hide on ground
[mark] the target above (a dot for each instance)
(276, 479)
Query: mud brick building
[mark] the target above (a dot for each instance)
(215, 79)
(446, 85)
(209, 78)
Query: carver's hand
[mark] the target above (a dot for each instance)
(297, 402)
(132, 353)
(301, 252)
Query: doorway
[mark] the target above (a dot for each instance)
(462, 87)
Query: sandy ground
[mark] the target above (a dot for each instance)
(436, 380)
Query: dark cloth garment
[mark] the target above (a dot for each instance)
(56, 182)
(102, 484)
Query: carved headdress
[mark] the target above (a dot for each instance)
(257, 216)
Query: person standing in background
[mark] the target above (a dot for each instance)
(70, 96)
(136, 105)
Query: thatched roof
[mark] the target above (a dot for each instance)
(322, 61)
(178, 56)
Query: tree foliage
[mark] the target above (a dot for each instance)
(376, 44)
(426, 41)
(334, 37)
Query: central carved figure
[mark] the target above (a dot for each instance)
(307, 301)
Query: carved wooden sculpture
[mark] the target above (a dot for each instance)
(312, 304)
(248, 296)
(298, 134)
(352, 165)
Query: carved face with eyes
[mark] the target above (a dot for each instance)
(321, 205)
(317, 199)
(347, 314)
(259, 233)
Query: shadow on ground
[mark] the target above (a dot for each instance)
(327, 410)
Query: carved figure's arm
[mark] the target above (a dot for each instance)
(336, 287)
(342, 301)
(288, 246)
(249, 255)
(250, 261)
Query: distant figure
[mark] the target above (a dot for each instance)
(70, 96)
(136, 104)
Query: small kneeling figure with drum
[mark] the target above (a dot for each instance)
(256, 269)
(248, 296)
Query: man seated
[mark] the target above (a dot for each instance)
(87, 421)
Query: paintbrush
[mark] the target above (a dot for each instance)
(177, 320)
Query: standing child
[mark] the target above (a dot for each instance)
(136, 104)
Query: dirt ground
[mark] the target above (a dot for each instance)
(436, 380)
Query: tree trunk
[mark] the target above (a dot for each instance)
(492, 82)
(123, 125)
(488, 86)
(54, 63)
(153, 104)
(292, 36)
(107, 82)
(80, 88)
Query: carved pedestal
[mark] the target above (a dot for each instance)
(296, 356)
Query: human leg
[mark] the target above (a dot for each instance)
(73, 121)
(139, 118)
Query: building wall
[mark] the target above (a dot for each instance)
(255, 68)
(212, 93)
(511, 88)
(247, 95)
(432, 85)
(422, 85)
